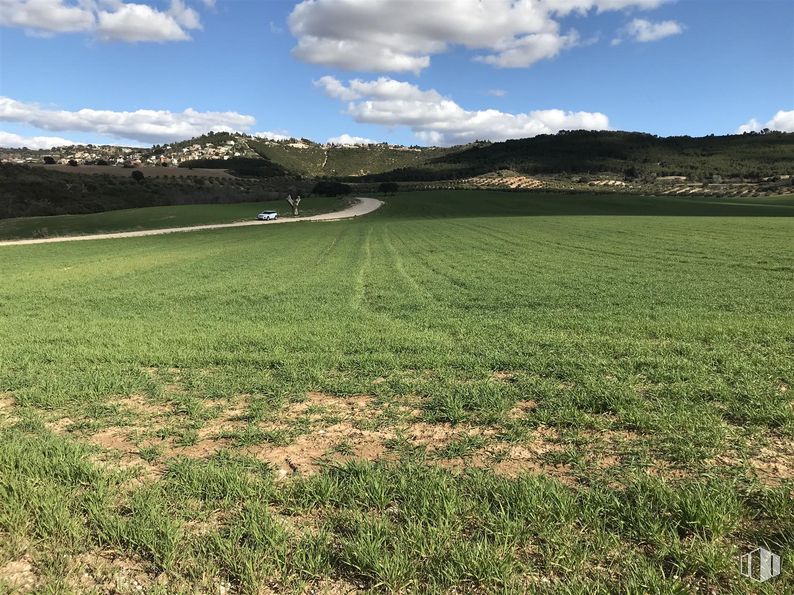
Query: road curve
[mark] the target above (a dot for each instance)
(362, 207)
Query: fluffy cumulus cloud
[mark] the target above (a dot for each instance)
(110, 20)
(147, 126)
(9, 139)
(346, 139)
(783, 121)
(402, 35)
(267, 135)
(439, 120)
(49, 16)
(644, 31)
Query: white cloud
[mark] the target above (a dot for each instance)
(267, 135)
(9, 139)
(334, 88)
(783, 121)
(184, 15)
(139, 22)
(564, 7)
(149, 126)
(644, 31)
(346, 139)
(402, 35)
(497, 92)
(529, 49)
(436, 119)
(48, 16)
(110, 20)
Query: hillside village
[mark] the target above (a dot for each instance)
(167, 155)
(213, 146)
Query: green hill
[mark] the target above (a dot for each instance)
(749, 164)
(30, 191)
(307, 158)
(749, 156)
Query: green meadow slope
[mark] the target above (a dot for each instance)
(319, 160)
(155, 218)
(468, 392)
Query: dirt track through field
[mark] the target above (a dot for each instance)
(362, 207)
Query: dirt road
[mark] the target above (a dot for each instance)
(362, 207)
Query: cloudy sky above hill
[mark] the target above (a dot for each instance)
(403, 71)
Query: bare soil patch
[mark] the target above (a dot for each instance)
(438, 436)
(306, 454)
(774, 464)
(325, 428)
(324, 587)
(320, 402)
(107, 572)
(512, 460)
(113, 439)
(521, 408)
(140, 405)
(19, 576)
(7, 405)
(503, 376)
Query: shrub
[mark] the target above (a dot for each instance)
(388, 187)
(326, 188)
(137, 175)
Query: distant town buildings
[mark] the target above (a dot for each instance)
(172, 155)
(166, 155)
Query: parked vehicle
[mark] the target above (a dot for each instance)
(267, 216)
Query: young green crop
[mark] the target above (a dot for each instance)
(518, 392)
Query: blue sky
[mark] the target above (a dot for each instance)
(426, 72)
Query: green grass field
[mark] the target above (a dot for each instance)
(462, 392)
(155, 218)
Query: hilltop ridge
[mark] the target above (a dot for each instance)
(633, 155)
(219, 150)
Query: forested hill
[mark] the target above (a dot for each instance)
(630, 154)
(747, 157)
